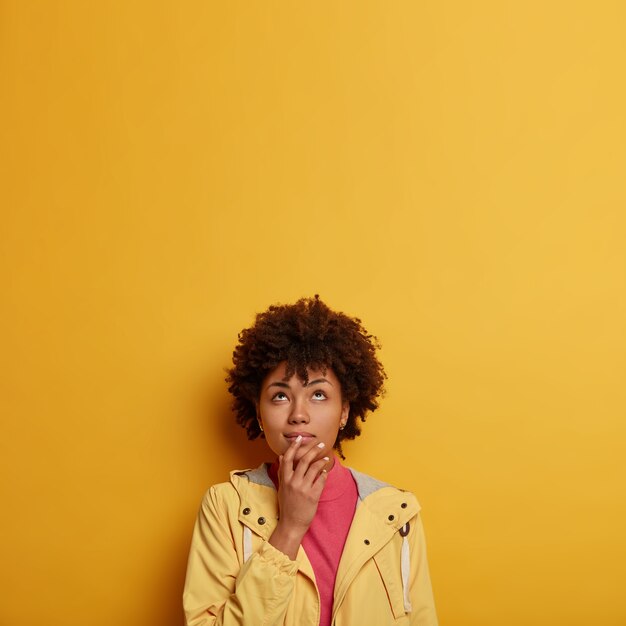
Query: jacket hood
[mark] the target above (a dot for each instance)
(366, 485)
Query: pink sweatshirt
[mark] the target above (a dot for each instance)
(324, 541)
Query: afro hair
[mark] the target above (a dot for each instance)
(307, 334)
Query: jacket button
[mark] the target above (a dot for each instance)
(391, 518)
(246, 511)
(403, 505)
(367, 542)
(261, 520)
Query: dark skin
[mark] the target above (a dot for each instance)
(301, 421)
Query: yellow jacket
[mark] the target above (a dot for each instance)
(236, 578)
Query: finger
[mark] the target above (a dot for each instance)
(288, 457)
(318, 485)
(316, 468)
(282, 468)
(312, 455)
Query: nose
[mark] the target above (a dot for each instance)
(299, 414)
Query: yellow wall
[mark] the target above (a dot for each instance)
(452, 173)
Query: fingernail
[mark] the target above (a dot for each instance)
(326, 458)
(298, 438)
(320, 444)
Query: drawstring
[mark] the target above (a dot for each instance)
(405, 566)
(247, 543)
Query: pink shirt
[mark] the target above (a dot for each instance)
(324, 541)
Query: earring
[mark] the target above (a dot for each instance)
(260, 427)
(342, 427)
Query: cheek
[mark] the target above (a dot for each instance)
(276, 443)
(271, 415)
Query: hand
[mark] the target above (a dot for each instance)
(300, 486)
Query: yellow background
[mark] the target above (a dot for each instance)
(450, 172)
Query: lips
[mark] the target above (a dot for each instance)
(304, 435)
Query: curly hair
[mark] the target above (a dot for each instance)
(307, 334)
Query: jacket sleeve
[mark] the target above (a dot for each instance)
(219, 589)
(421, 593)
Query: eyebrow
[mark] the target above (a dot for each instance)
(278, 384)
(319, 380)
(311, 382)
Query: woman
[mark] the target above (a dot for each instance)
(305, 541)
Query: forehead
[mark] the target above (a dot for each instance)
(279, 373)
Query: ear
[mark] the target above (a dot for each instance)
(345, 412)
(258, 415)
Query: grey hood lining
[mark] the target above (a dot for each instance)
(258, 476)
(366, 485)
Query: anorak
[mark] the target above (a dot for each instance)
(236, 578)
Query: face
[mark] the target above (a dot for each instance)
(287, 408)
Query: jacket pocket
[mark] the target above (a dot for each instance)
(388, 565)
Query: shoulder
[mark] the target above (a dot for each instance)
(229, 494)
(377, 491)
(220, 497)
(225, 492)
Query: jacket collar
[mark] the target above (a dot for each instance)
(381, 512)
(390, 507)
(366, 485)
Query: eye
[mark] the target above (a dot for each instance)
(279, 395)
(319, 395)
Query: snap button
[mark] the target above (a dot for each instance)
(246, 511)
(391, 518)
(403, 505)
(367, 542)
(261, 520)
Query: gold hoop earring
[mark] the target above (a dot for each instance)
(260, 427)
